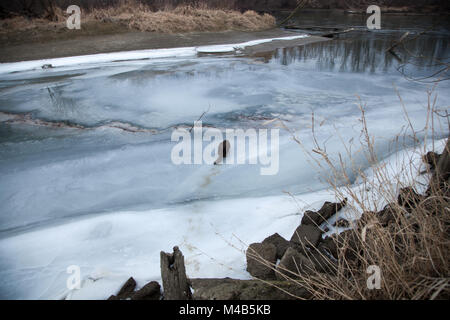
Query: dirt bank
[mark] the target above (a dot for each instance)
(73, 42)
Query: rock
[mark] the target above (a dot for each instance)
(261, 259)
(329, 244)
(233, 289)
(366, 217)
(311, 218)
(307, 235)
(431, 158)
(387, 215)
(345, 243)
(329, 209)
(409, 199)
(293, 265)
(342, 223)
(349, 242)
(126, 291)
(151, 291)
(280, 243)
(322, 261)
(47, 66)
(440, 181)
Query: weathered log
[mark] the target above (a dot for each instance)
(173, 274)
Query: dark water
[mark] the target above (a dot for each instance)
(420, 56)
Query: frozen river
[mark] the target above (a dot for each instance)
(86, 176)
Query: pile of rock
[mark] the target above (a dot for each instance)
(277, 261)
(306, 251)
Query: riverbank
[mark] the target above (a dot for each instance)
(125, 26)
(407, 240)
(87, 44)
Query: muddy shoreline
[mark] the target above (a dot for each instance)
(84, 44)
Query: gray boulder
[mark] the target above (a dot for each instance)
(342, 223)
(293, 265)
(329, 244)
(329, 209)
(151, 291)
(323, 214)
(261, 259)
(126, 291)
(279, 242)
(307, 235)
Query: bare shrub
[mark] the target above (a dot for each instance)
(408, 239)
(403, 228)
(163, 17)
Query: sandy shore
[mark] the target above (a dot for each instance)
(74, 44)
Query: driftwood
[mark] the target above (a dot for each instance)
(173, 274)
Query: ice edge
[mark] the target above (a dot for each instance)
(135, 55)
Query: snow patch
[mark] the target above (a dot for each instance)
(133, 55)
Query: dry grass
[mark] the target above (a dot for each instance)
(408, 239)
(183, 18)
(137, 16)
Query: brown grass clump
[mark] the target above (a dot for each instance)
(185, 19)
(407, 237)
(188, 20)
(410, 248)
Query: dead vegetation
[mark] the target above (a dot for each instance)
(135, 15)
(403, 230)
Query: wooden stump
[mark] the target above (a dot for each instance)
(173, 273)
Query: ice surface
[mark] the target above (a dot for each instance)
(133, 55)
(109, 248)
(78, 188)
(115, 246)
